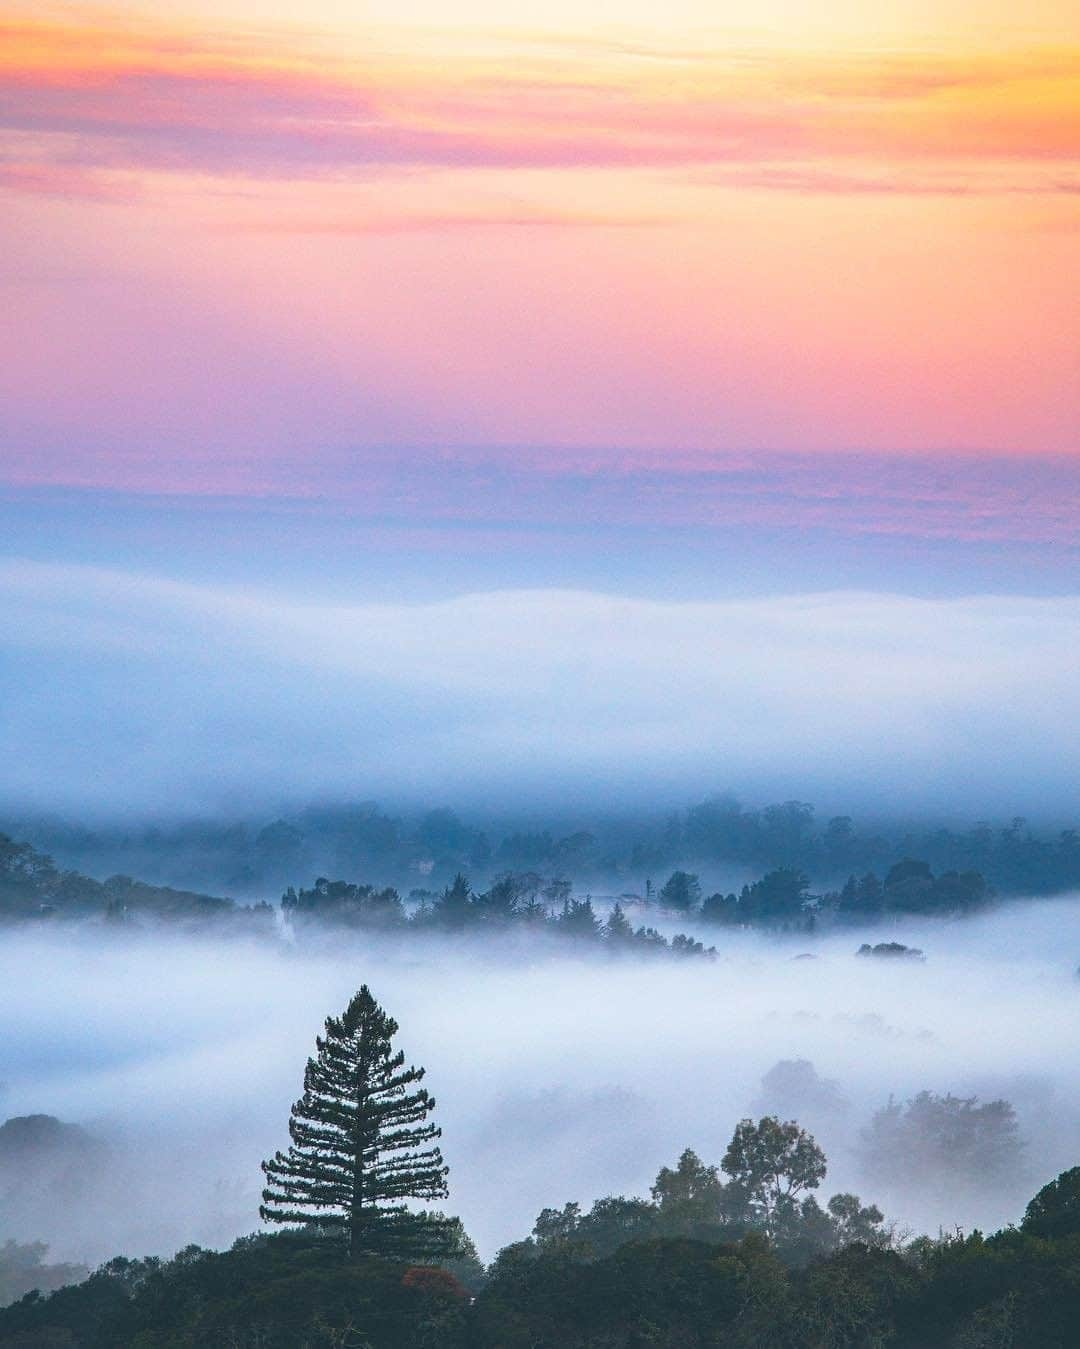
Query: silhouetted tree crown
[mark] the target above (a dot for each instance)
(1055, 1210)
(360, 1141)
(682, 891)
(772, 1164)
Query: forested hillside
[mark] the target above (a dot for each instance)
(631, 1273)
(718, 838)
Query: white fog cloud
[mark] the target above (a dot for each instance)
(556, 1078)
(122, 691)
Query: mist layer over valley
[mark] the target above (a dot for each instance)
(557, 1075)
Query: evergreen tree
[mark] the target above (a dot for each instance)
(617, 929)
(360, 1143)
(455, 906)
(578, 919)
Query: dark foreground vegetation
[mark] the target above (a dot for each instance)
(585, 1288)
(736, 1256)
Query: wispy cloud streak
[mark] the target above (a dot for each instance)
(156, 101)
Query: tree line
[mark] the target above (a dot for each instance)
(245, 857)
(780, 899)
(524, 903)
(33, 887)
(783, 897)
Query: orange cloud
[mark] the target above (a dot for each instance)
(244, 104)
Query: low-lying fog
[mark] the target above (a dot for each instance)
(212, 695)
(556, 1077)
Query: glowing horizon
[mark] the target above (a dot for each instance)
(254, 246)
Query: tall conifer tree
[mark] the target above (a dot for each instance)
(360, 1140)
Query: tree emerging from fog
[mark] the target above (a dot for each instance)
(933, 1140)
(361, 1143)
(772, 1163)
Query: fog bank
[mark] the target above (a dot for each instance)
(123, 692)
(556, 1078)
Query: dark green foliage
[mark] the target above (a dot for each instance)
(681, 891)
(858, 1298)
(890, 950)
(360, 1141)
(282, 1292)
(1011, 1289)
(778, 897)
(578, 919)
(691, 1199)
(514, 901)
(771, 1164)
(347, 905)
(455, 905)
(555, 1227)
(910, 887)
(33, 887)
(614, 1221)
(720, 909)
(1055, 1210)
(618, 931)
(456, 1251)
(609, 1279)
(855, 1222)
(662, 1292)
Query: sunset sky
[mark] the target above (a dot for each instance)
(245, 245)
(602, 303)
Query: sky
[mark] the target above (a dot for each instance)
(245, 251)
(364, 311)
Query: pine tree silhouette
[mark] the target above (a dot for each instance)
(360, 1141)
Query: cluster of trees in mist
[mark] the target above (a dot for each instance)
(520, 902)
(32, 886)
(249, 857)
(736, 1256)
(780, 899)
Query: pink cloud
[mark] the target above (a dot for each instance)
(67, 181)
(210, 105)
